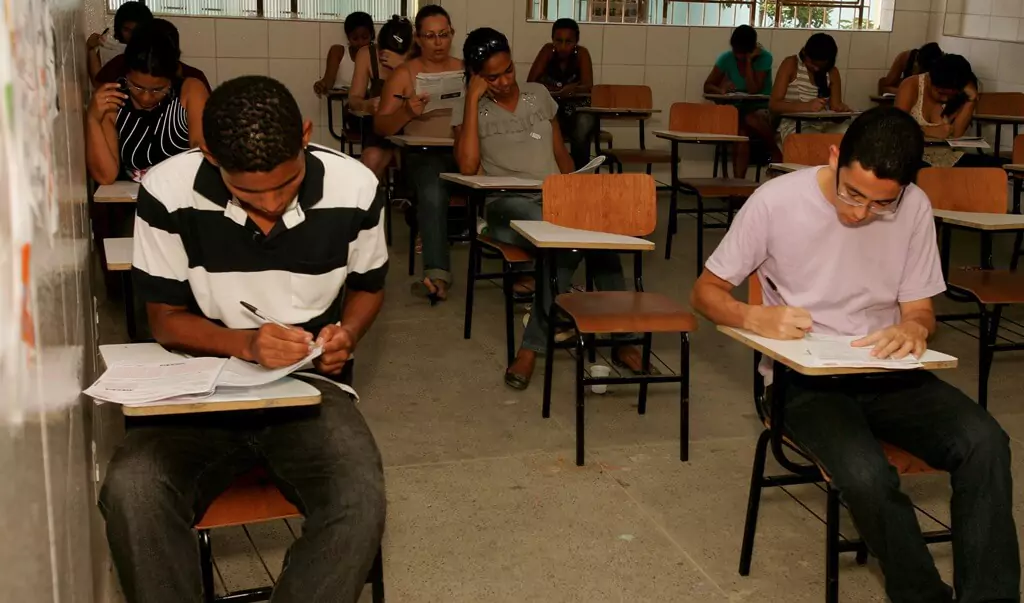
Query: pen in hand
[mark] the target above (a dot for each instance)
(264, 317)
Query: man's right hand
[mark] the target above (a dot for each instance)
(274, 347)
(778, 322)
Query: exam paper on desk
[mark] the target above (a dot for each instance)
(446, 89)
(142, 383)
(836, 351)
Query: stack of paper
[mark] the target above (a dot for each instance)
(446, 89)
(968, 142)
(836, 351)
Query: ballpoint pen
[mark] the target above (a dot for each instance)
(265, 317)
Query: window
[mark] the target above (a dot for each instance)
(811, 14)
(318, 10)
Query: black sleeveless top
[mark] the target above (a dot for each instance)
(146, 138)
(555, 76)
(908, 68)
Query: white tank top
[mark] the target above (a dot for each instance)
(346, 70)
(802, 89)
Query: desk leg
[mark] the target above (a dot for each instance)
(1017, 181)
(129, 306)
(544, 260)
(673, 207)
(597, 138)
(986, 250)
(413, 223)
(999, 136)
(330, 122)
(945, 232)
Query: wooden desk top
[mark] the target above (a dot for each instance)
(493, 183)
(118, 252)
(546, 235)
(1006, 119)
(1014, 167)
(284, 393)
(981, 221)
(618, 110)
(786, 168)
(823, 115)
(118, 192)
(422, 141)
(697, 136)
(792, 354)
(360, 114)
(738, 97)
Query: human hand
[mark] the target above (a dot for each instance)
(374, 104)
(390, 59)
(840, 106)
(478, 87)
(756, 53)
(417, 104)
(94, 41)
(274, 346)
(818, 104)
(320, 87)
(107, 98)
(728, 87)
(337, 343)
(896, 341)
(779, 322)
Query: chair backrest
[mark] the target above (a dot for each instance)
(1000, 103)
(1018, 149)
(754, 295)
(809, 149)
(703, 118)
(622, 97)
(624, 204)
(965, 189)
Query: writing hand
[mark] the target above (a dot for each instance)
(779, 322)
(417, 104)
(728, 87)
(817, 104)
(896, 341)
(274, 346)
(337, 343)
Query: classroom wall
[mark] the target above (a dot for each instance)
(672, 60)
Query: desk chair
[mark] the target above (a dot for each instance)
(809, 149)
(514, 263)
(804, 471)
(1010, 104)
(977, 190)
(254, 499)
(628, 97)
(705, 119)
(623, 204)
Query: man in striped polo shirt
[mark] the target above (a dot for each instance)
(257, 216)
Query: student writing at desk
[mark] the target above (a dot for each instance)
(512, 130)
(402, 111)
(108, 45)
(260, 217)
(874, 272)
(809, 82)
(909, 63)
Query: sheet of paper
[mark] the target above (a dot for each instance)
(970, 142)
(136, 383)
(239, 373)
(836, 351)
(592, 167)
(501, 181)
(446, 89)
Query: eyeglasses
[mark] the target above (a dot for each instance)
(154, 91)
(430, 36)
(879, 208)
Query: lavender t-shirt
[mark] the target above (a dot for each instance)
(851, 279)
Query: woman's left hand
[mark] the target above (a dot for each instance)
(391, 60)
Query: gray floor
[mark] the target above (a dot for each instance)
(486, 504)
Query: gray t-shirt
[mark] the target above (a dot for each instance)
(516, 144)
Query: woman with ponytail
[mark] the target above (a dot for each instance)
(809, 82)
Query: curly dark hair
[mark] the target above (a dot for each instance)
(252, 124)
(130, 12)
(152, 51)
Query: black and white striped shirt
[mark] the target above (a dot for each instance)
(194, 247)
(146, 138)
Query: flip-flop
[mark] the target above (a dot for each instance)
(516, 381)
(420, 289)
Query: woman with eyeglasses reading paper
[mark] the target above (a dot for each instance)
(145, 117)
(403, 111)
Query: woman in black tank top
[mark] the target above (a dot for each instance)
(146, 116)
(374, 65)
(908, 63)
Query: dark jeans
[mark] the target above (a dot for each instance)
(839, 422)
(579, 130)
(168, 470)
(432, 199)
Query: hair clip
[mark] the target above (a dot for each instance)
(397, 38)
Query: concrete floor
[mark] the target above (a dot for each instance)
(486, 504)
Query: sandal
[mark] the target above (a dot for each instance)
(423, 289)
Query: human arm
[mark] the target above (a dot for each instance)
(398, 103)
(467, 128)
(717, 82)
(962, 119)
(778, 103)
(906, 98)
(102, 154)
(562, 156)
(357, 100)
(712, 297)
(586, 83)
(756, 70)
(835, 88)
(334, 57)
(193, 97)
(540, 62)
(890, 84)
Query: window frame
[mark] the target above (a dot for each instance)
(407, 9)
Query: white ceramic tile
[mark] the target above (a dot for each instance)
(978, 7)
(1003, 28)
(785, 42)
(1020, 31)
(298, 76)
(1011, 57)
(198, 36)
(844, 39)
(695, 77)
(622, 74)
(294, 40)
(668, 85)
(458, 10)
(522, 72)
(228, 69)
(1006, 8)
(975, 26)
(491, 13)
(956, 45)
(330, 34)
(530, 38)
(667, 45)
(592, 37)
(207, 65)
(859, 85)
(625, 45)
(938, 6)
(706, 43)
(242, 38)
(916, 5)
(935, 21)
(955, 6)
(984, 58)
(910, 27)
(869, 50)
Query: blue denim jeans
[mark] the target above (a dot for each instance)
(169, 469)
(578, 130)
(432, 199)
(839, 422)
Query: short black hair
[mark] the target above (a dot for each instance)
(743, 39)
(482, 44)
(927, 55)
(886, 141)
(163, 27)
(252, 124)
(130, 12)
(396, 35)
(153, 52)
(431, 10)
(358, 20)
(821, 47)
(951, 72)
(566, 23)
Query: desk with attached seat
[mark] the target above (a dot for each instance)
(836, 116)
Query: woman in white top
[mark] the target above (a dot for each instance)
(341, 65)
(942, 102)
(809, 82)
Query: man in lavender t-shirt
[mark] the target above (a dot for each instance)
(849, 249)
